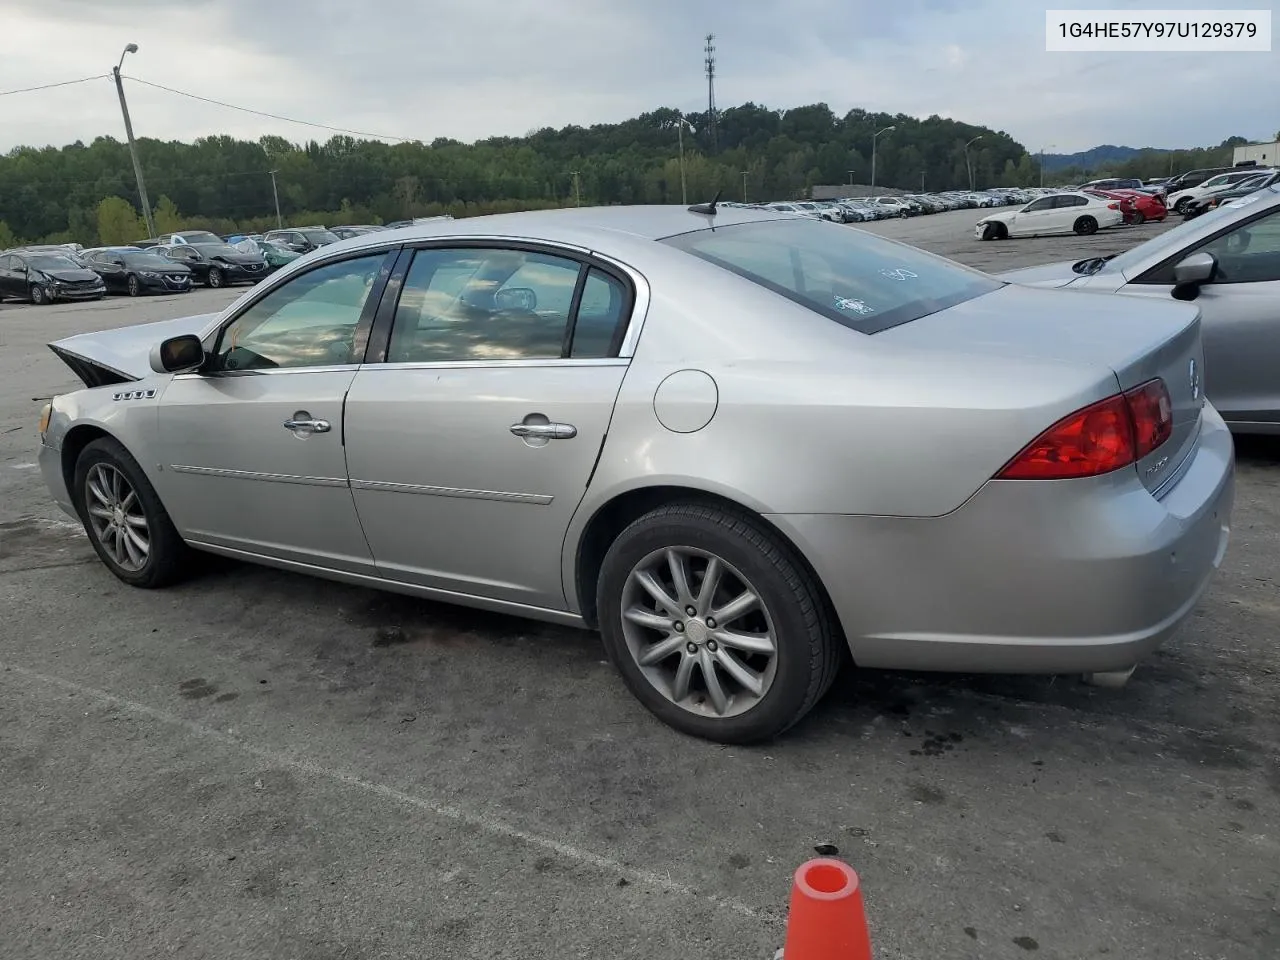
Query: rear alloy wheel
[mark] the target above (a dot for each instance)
(135, 288)
(713, 624)
(216, 277)
(1086, 226)
(1139, 218)
(128, 526)
(39, 295)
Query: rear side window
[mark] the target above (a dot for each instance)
(854, 278)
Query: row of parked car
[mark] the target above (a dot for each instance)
(863, 209)
(170, 263)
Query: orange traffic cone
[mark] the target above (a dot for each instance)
(827, 920)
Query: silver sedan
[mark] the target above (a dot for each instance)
(742, 445)
(1228, 263)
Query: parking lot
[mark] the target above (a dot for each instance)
(256, 764)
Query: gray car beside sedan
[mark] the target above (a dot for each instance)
(744, 446)
(1226, 262)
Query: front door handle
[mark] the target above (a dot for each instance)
(302, 424)
(545, 431)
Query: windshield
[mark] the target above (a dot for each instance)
(52, 261)
(218, 249)
(319, 236)
(147, 261)
(854, 278)
(1173, 238)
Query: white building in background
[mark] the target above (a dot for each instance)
(1263, 154)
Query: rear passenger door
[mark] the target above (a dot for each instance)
(473, 432)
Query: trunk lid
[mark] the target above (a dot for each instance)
(1137, 340)
(122, 355)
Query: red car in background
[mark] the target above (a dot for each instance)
(1136, 205)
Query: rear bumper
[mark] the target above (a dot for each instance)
(1029, 577)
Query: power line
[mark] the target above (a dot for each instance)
(262, 113)
(50, 86)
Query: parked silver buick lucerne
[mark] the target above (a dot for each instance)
(736, 442)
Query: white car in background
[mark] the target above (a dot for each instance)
(1178, 200)
(1078, 213)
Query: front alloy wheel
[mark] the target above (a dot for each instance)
(135, 287)
(116, 517)
(216, 278)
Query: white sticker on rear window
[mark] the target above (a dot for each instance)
(900, 273)
(853, 306)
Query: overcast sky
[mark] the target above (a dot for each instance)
(466, 69)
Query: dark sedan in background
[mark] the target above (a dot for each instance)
(136, 273)
(46, 277)
(302, 239)
(218, 264)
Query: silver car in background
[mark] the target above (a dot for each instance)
(1227, 262)
(741, 445)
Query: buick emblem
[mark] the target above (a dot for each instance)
(1193, 374)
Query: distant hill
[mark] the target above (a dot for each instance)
(1099, 156)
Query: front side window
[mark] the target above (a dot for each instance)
(1035, 206)
(309, 321)
(483, 304)
(857, 279)
(1248, 254)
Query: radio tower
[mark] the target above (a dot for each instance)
(710, 50)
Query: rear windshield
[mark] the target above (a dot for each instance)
(854, 278)
(319, 236)
(147, 261)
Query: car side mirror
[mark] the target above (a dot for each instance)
(1191, 272)
(178, 354)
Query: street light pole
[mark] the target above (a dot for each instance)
(276, 195)
(967, 164)
(680, 123)
(851, 173)
(577, 189)
(1042, 150)
(922, 181)
(133, 147)
(873, 153)
(744, 185)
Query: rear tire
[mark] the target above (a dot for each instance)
(1086, 226)
(1139, 218)
(128, 526)
(40, 296)
(795, 655)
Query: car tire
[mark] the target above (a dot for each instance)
(751, 559)
(40, 296)
(1181, 205)
(1085, 226)
(135, 287)
(127, 525)
(991, 232)
(216, 278)
(1139, 218)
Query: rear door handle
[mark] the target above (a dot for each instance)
(545, 431)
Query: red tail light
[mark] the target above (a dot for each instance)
(1101, 438)
(1113, 206)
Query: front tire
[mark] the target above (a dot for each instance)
(1181, 205)
(1086, 226)
(991, 232)
(216, 278)
(135, 286)
(127, 524)
(40, 296)
(714, 624)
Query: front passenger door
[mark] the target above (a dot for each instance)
(253, 443)
(1031, 217)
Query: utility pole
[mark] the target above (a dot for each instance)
(1042, 150)
(873, 154)
(744, 185)
(577, 189)
(710, 51)
(967, 164)
(133, 147)
(851, 173)
(276, 194)
(922, 181)
(680, 123)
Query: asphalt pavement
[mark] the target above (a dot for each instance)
(257, 764)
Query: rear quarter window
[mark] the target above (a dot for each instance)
(854, 278)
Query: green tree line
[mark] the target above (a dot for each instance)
(86, 192)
